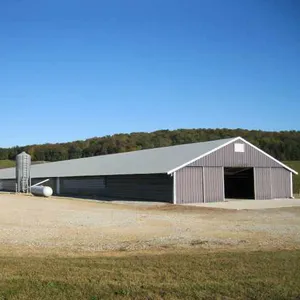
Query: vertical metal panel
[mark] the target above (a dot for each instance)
(223, 176)
(214, 184)
(174, 189)
(189, 185)
(203, 183)
(57, 185)
(262, 183)
(227, 157)
(281, 183)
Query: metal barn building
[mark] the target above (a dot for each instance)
(190, 173)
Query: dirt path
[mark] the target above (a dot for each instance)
(72, 225)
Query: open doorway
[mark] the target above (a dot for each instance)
(239, 183)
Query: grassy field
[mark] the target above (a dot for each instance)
(296, 166)
(186, 275)
(5, 163)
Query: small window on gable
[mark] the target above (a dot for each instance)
(239, 147)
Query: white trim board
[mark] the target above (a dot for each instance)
(225, 144)
(174, 189)
(291, 185)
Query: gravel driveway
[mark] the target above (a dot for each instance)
(252, 204)
(31, 223)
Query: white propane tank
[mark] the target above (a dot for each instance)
(40, 190)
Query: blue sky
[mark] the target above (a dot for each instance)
(74, 69)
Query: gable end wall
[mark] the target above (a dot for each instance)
(227, 157)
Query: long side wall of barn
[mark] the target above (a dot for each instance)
(155, 187)
(9, 185)
(152, 187)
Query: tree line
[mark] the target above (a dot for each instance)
(283, 145)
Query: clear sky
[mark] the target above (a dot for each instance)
(74, 69)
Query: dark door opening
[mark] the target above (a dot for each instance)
(239, 183)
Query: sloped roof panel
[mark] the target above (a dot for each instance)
(149, 161)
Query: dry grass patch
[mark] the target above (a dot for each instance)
(184, 275)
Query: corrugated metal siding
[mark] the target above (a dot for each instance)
(156, 187)
(82, 185)
(197, 184)
(8, 185)
(281, 183)
(213, 184)
(227, 157)
(189, 185)
(262, 183)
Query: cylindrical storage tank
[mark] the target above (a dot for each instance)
(40, 190)
(23, 164)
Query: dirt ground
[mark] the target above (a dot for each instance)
(251, 204)
(30, 224)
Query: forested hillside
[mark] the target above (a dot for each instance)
(284, 145)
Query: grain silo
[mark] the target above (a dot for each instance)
(23, 163)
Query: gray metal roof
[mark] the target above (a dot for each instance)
(149, 161)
